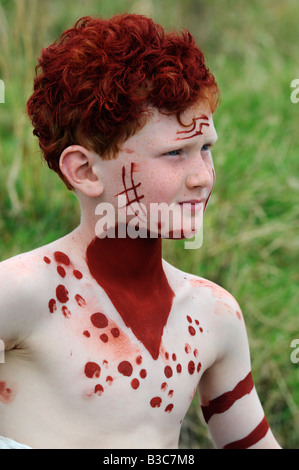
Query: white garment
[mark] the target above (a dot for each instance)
(6, 443)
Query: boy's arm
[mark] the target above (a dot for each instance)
(15, 302)
(230, 404)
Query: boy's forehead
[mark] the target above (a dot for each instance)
(163, 123)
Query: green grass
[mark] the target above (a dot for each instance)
(251, 226)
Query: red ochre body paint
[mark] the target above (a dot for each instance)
(199, 132)
(77, 274)
(133, 187)
(225, 401)
(156, 402)
(131, 273)
(255, 436)
(125, 368)
(61, 258)
(6, 394)
(92, 369)
(62, 294)
(52, 305)
(208, 198)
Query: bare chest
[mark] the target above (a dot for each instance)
(96, 361)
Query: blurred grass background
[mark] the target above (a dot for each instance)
(251, 226)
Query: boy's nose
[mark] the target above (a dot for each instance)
(200, 176)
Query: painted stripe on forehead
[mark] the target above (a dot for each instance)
(199, 132)
(255, 436)
(226, 400)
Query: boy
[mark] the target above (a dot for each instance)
(106, 343)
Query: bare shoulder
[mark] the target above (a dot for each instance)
(222, 302)
(216, 308)
(27, 270)
(24, 282)
(22, 271)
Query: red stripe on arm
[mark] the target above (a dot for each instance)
(255, 436)
(225, 401)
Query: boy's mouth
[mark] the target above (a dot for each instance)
(192, 204)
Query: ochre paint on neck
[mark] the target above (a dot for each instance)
(131, 273)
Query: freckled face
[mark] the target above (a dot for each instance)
(164, 162)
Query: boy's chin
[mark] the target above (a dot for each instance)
(179, 234)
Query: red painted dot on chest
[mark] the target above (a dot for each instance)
(169, 408)
(191, 367)
(52, 305)
(99, 320)
(62, 294)
(66, 312)
(98, 390)
(61, 271)
(115, 332)
(135, 384)
(164, 386)
(77, 274)
(61, 258)
(125, 368)
(80, 301)
(168, 371)
(156, 402)
(104, 338)
(92, 369)
(192, 331)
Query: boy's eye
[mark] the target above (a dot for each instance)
(206, 148)
(174, 153)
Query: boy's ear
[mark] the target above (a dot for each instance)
(77, 164)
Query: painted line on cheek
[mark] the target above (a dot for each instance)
(132, 188)
(255, 436)
(210, 191)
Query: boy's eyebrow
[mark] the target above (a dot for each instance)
(177, 144)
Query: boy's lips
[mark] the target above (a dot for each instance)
(193, 203)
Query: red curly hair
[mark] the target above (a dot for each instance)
(94, 84)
